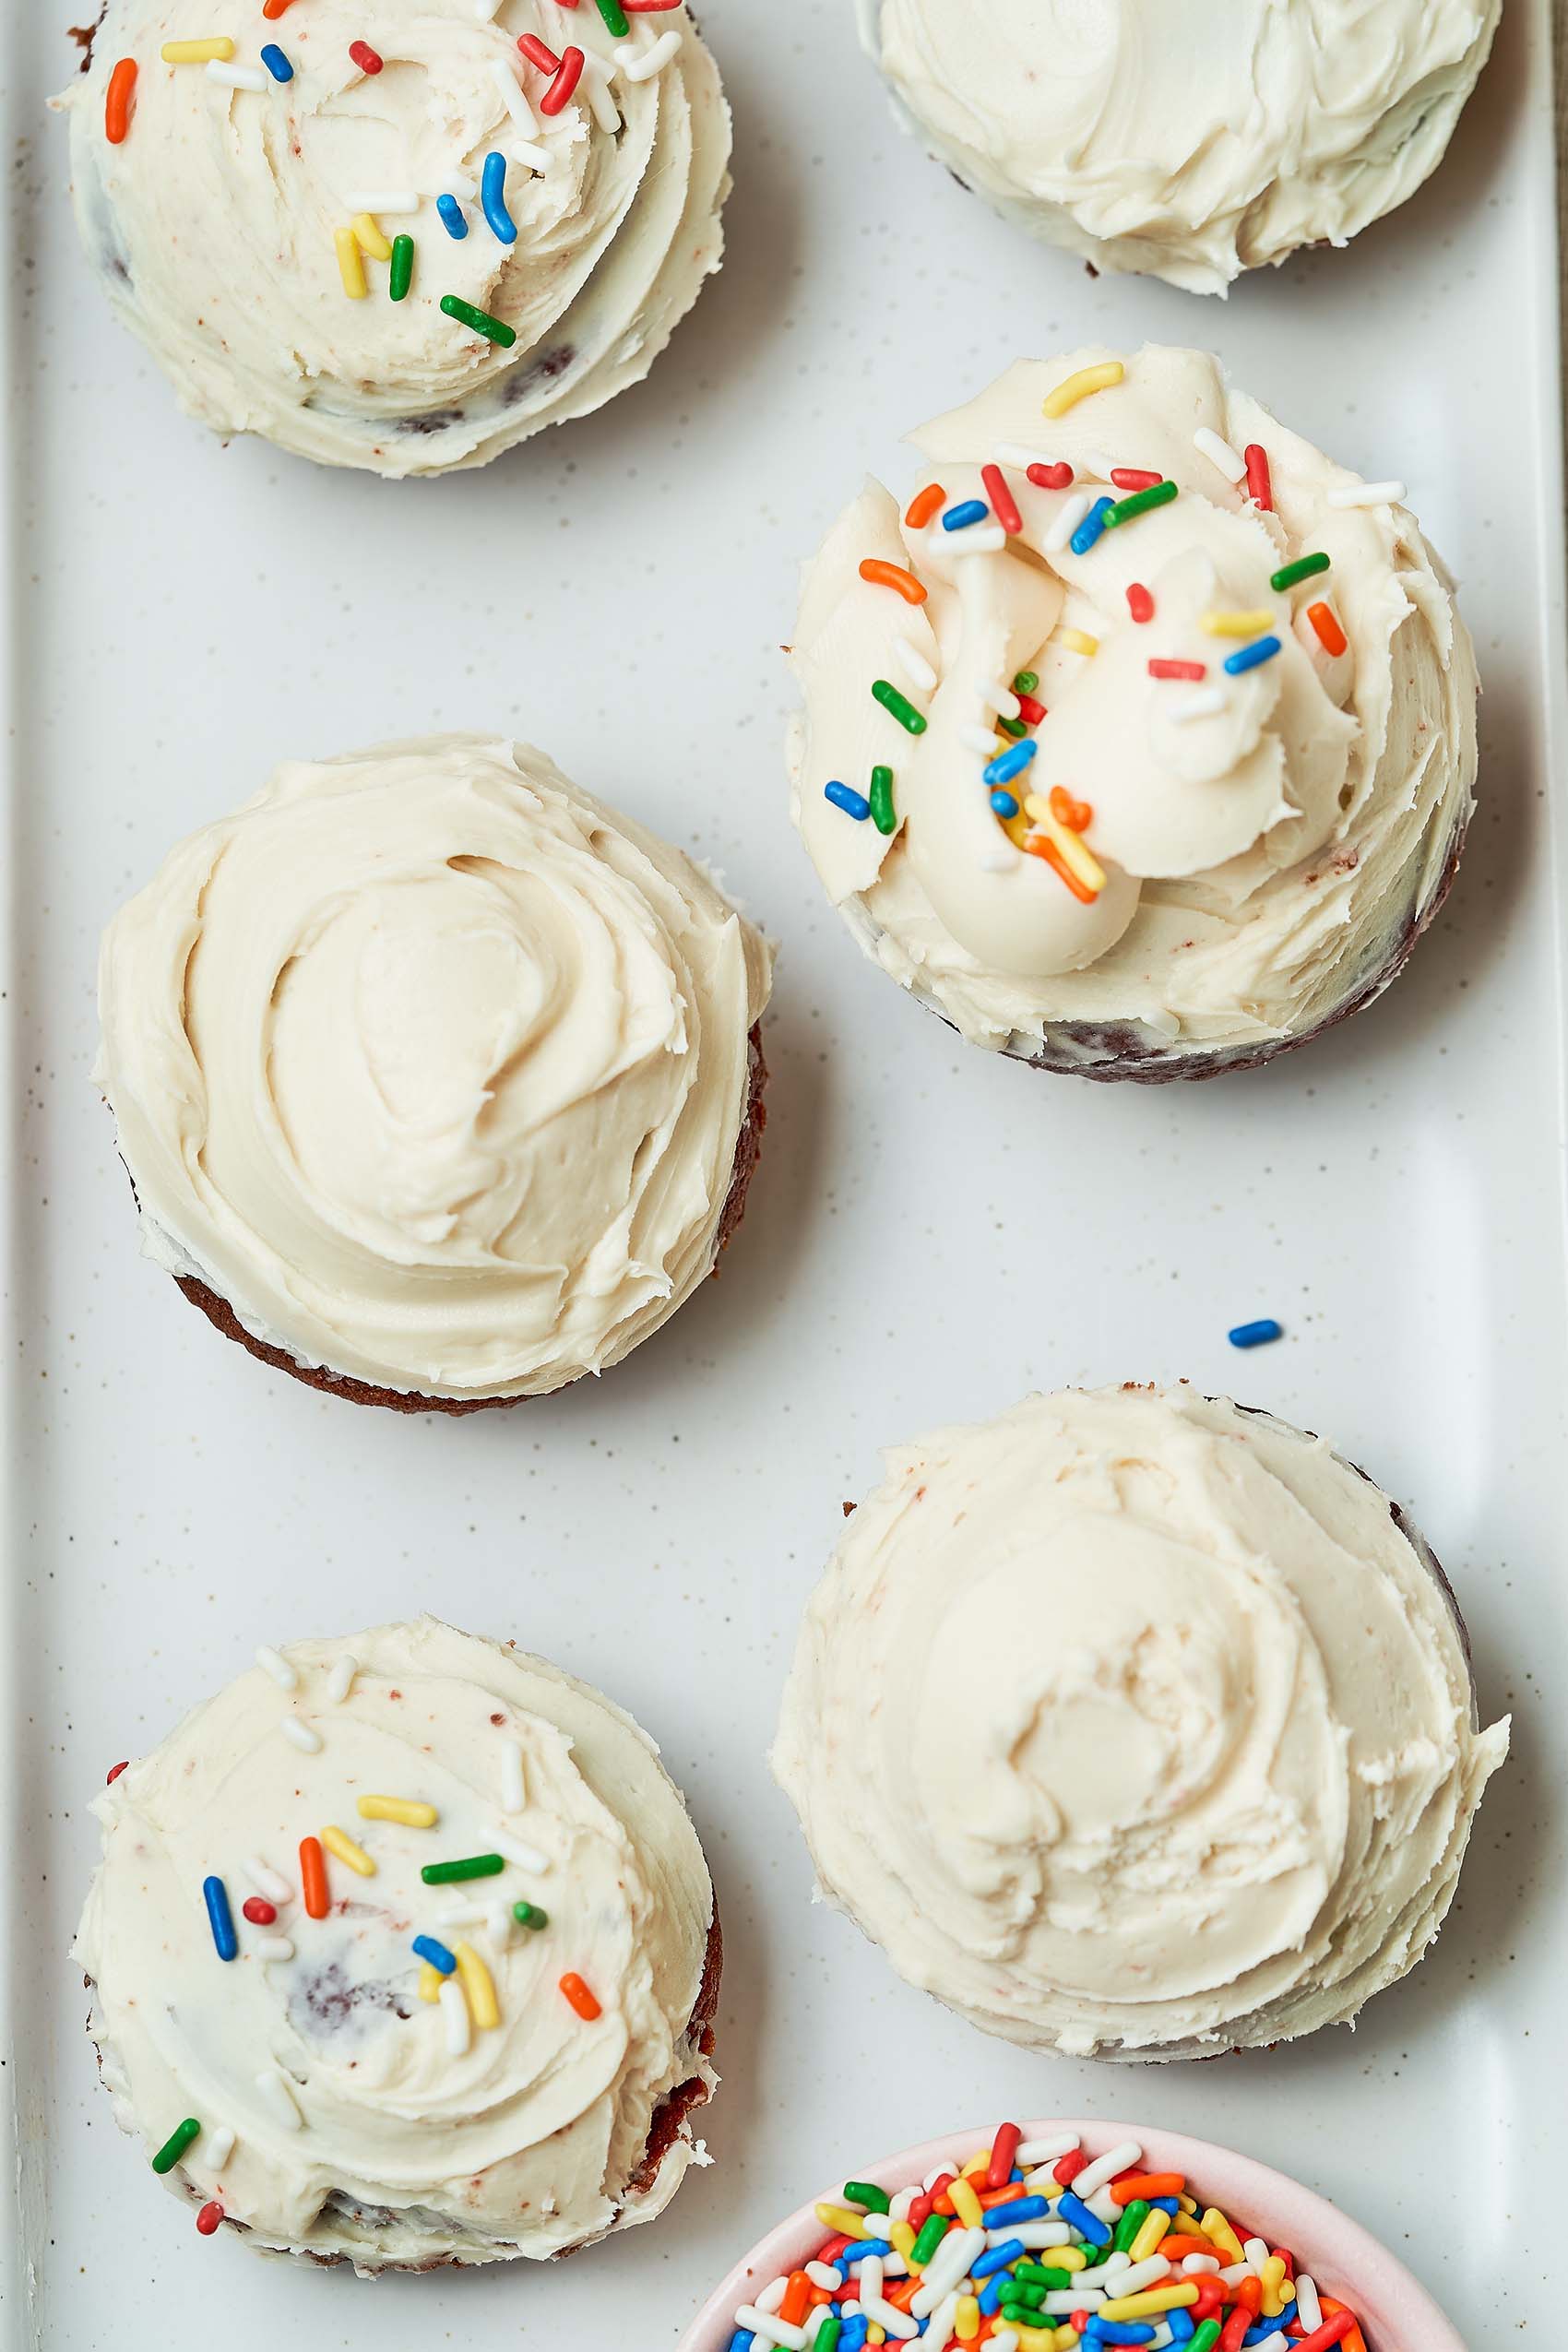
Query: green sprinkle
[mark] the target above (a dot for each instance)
(470, 1865)
(1202, 2337)
(479, 320)
(1014, 726)
(1025, 682)
(615, 18)
(1048, 2281)
(828, 2334)
(402, 276)
(1158, 493)
(1133, 2219)
(528, 1915)
(884, 818)
(174, 2147)
(1027, 2293)
(933, 2229)
(866, 2192)
(1306, 568)
(900, 706)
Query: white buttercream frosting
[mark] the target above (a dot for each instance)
(212, 225)
(433, 1068)
(1179, 139)
(368, 2138)
(1268, 841)
(1218, 1761)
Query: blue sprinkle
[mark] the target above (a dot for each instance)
(864, 2247)
(453, 218)
(1004, 804)
(1256, 1335)
(1165, 2204)
(743, 2340)
(1087, 2225)
(1092, 527)
(1251, 657)
(1181, 2326)
(991, 2295)
(1118, 2330)
(436, 1954)
(1264, 2329)
(277, 64)
(216, 1897)
(998, 2257)
(958, 519)
(1021, 2209)
(493, 195)
(844, 797)
(856, 2328)
(1012, 762)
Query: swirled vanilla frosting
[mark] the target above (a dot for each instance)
(433, 1069)
(1218, 1761)
(1188, 141)
(1172, 715)
(215, 222)
(344, 2112)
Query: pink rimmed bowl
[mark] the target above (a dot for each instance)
(1394, 2313)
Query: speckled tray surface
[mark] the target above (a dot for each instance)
(931, 1232)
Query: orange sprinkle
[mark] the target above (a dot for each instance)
(892, 576)
(313, 1878)
(923, 505)
(117, 101)
(1354, 2341)
(1077, 816)
(580, 1998)
(797, 2299)
(1041, 845)
(1132, 2184)
(1177, 2248)
(904, 2293)
(274, 9)
(1330, 635)
(1250, 2292)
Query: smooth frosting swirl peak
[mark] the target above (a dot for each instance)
(1220, 1761)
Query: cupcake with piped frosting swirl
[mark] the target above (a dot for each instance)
(1139, 739)
(405, 236)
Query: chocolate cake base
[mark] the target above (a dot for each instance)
(218, 1312)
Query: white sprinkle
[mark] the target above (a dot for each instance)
(1004, 2340)
(1094, 2176)
(1068, 517)
(218, 2147)
(979, 739)
(274, 1947)
(945, 2268)
(303, 1737)
(899, 2202)
(340, 1682)
(514, 98)
(499, 1923)
(595, 83)
(463, 1915)
(1308, 2310)
(816, 2321)
(514, 1788)
(235, 76)
(462, 187)
(266, 1881)
(944, 2320)
(1127, 2278)
(527, 1858)
(948, 2165)
(641, 64)
(485, 10)
(915, 667)
(1001, 698)
(824, 2275)
(277, 1664)
(1100, 465)
(773, 2294)
(1274, 2343)
(1041, 2233)
(383, 201)
(1073, 2298)
(1048, 2151)
(455, 2009)
(278, 2097)
(1368, 493)
(1103, 2206)
(1205, 703)
(525, 151)
(1218, 453)
(771, 2330)
(1010, 453)
(890, 2320)
(1198, 2265)
(1236, 2272)
(980, 539)
(870, 2280)
(1255, 2251)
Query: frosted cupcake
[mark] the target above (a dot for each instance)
(1221, 1756)
(1140, 741)
(399, 236)
(439, 1085)
(403, 1953)
(1183, 140)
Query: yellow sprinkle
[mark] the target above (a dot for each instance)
(1078, 387)
(1066, 2337)
(841, 2221)
(369, 238)
(900, 2235)
(1156, 2299)
(1070, 844)
(1271, 2274)
(1037, 2339)
(965, 2204)
(1186, 2203)
(351, 267)
(197, 53)
(476, 1984)
(980, 2160)
(1219, 2232)
(1075, 640)
(965, 2318)
(335, 1842)
(875, 2335)
(403, 1808)
(1237, 625)
(429, 1981)
(1153, 2228)
(1068, 2258)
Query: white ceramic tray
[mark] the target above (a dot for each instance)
(932, 1231)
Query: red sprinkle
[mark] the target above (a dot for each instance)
(1068, 2167)
(1260, 489)
(1235, 2328)
(364, 58)
(565, 82)
(1134, 478)
(209, 2219)
(116, 1770)
(538, 53)
(1140, 604)
(1080, 2320)
(1333, 2331)
(117, 101)
(1051, 477)
(1330, 635)
(639, 7)
(1004, 2147)
(260, 1911)
(1030, 711)
(1005, 508)
(1162, 668)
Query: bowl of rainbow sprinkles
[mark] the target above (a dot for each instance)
(1047, 2235)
